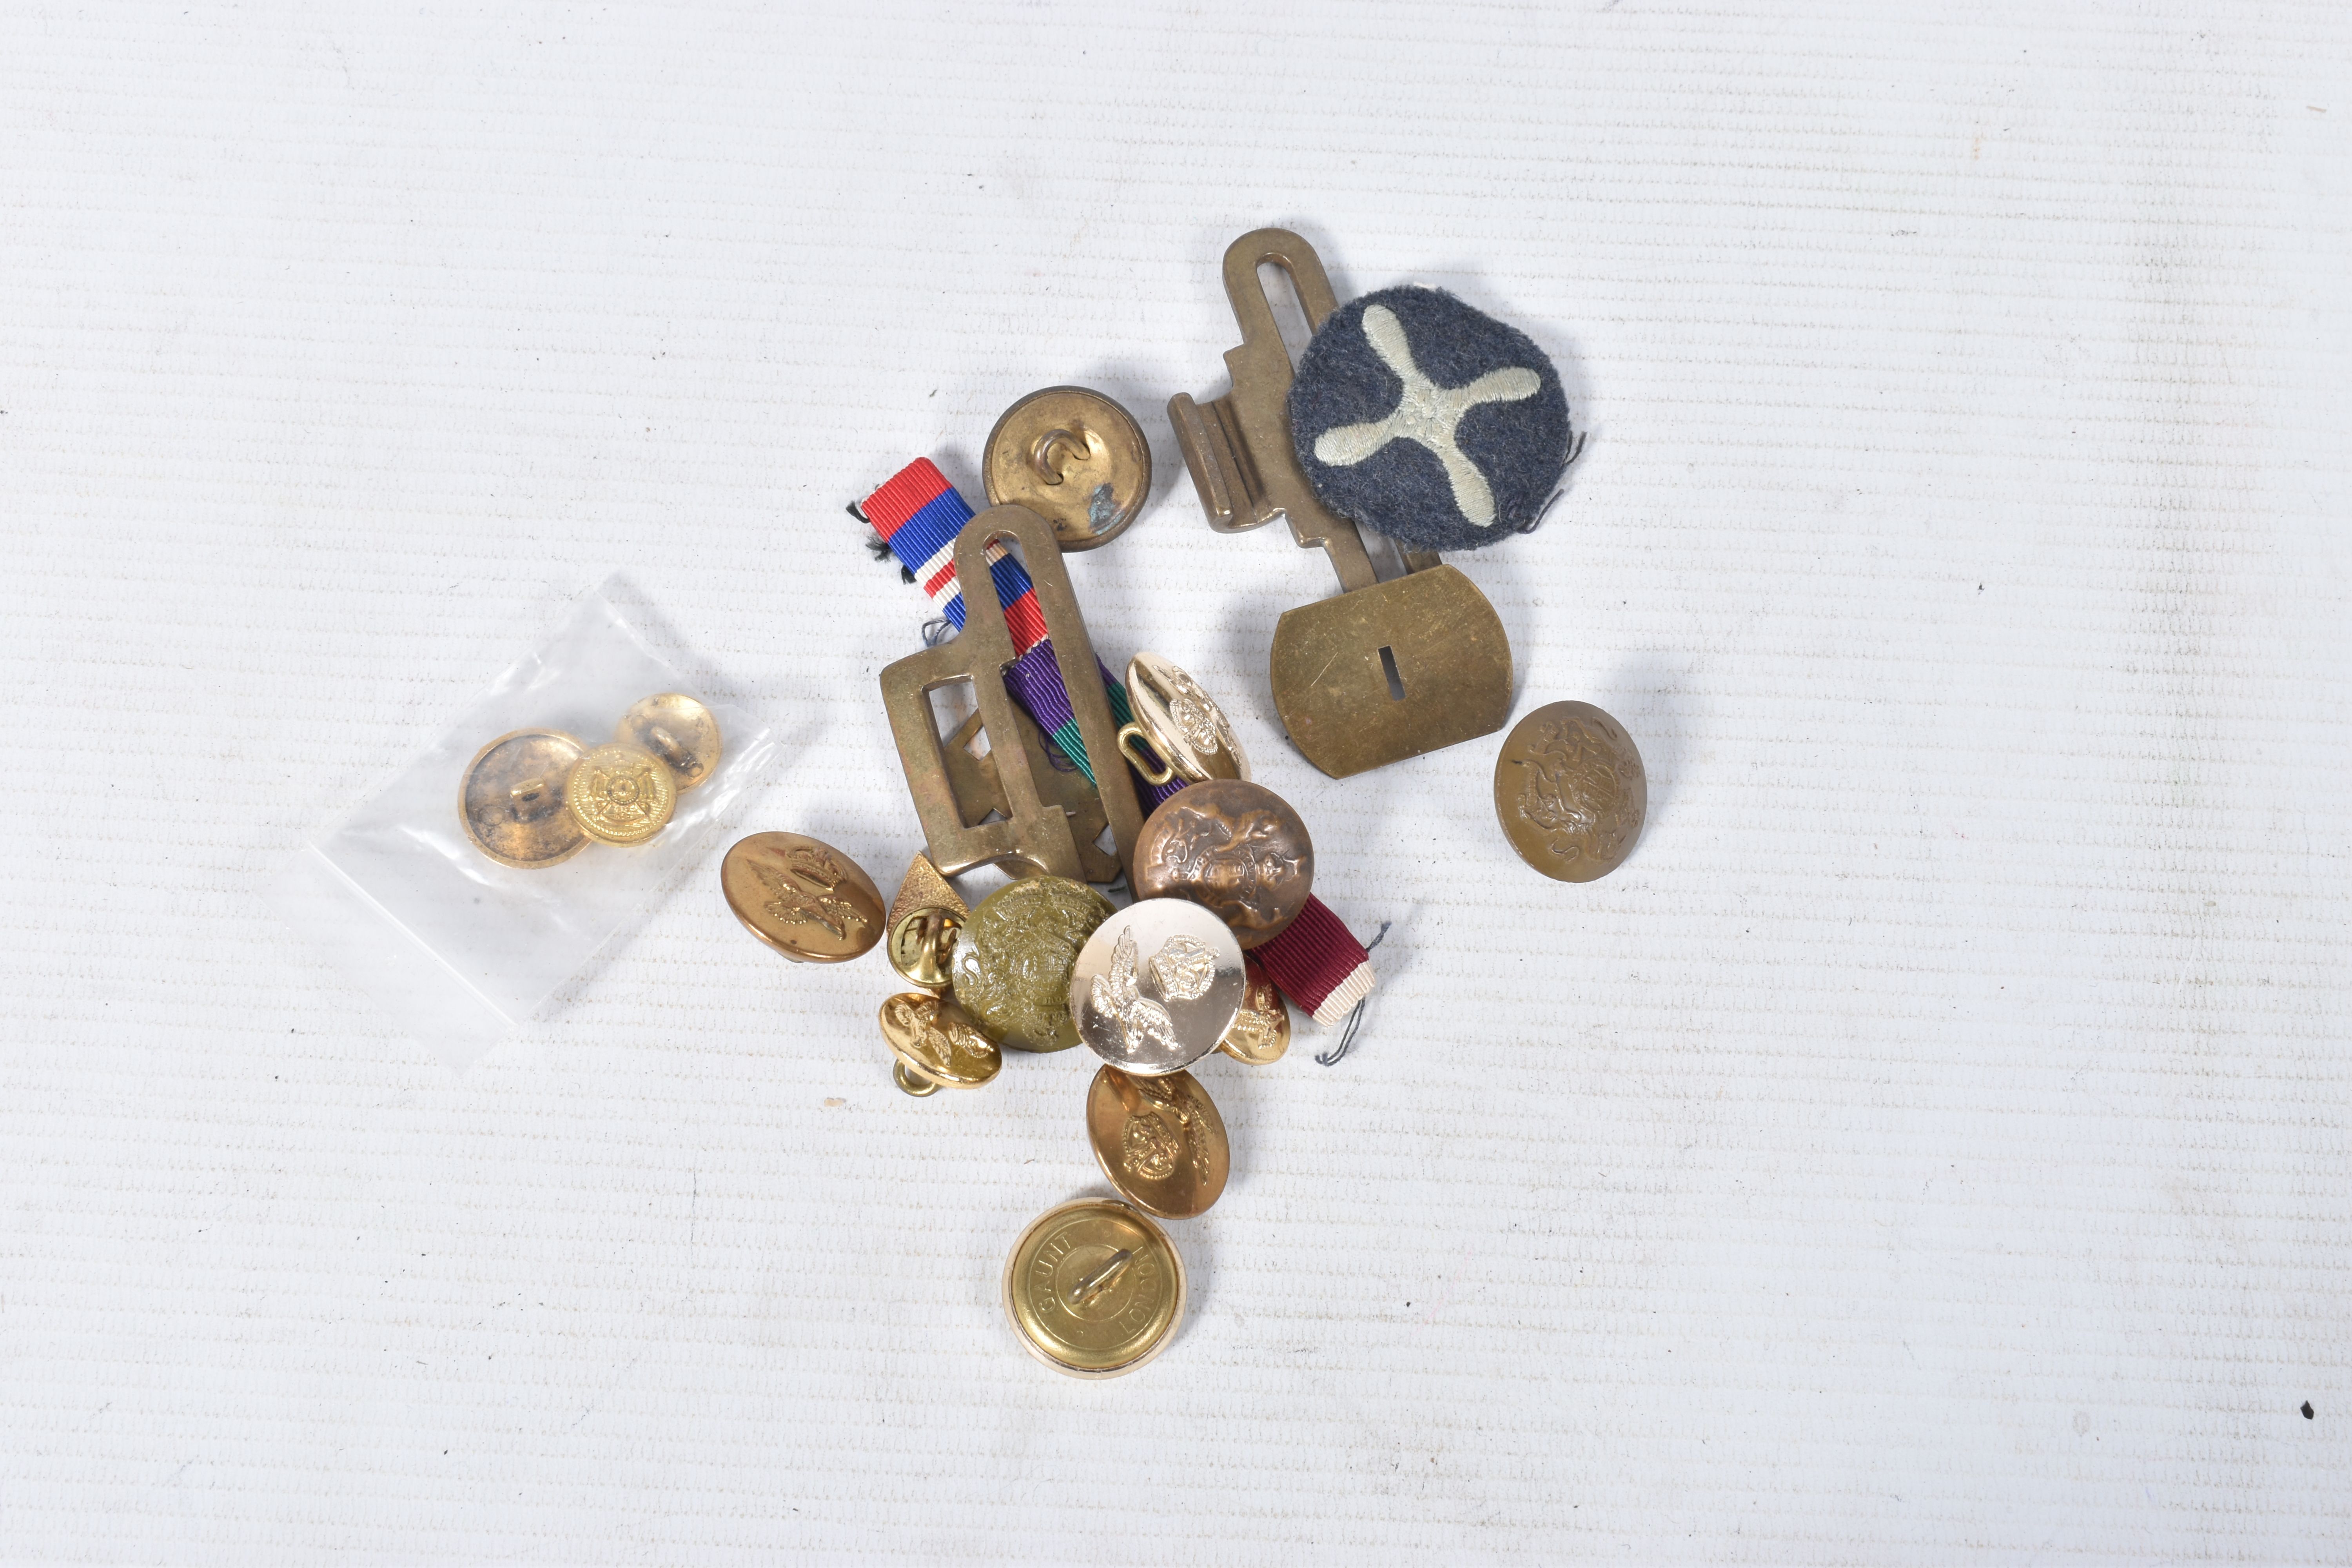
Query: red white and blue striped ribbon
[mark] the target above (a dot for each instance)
(1316, 961)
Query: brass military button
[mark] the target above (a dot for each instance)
(1178, 722)
(936, 1044)
(804, 899)
(1012, 961)
(1570, 791)
(922, 947)
(1234, 846)
(512, 799)
(924, 888)
(621, 795)
(1261, 1030)
(1076, 459)
(678, 730)
(1160, 1141)
(1093, 1289)
(1157, 986)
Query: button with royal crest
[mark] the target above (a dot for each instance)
(621, 795)
(1093, 1289)
(1157, 986)
(1180, 722)
(1428, 420)
(803, 897)
(1235, 847)
(1012, 960)
(1160, 1141)
(1261, 1030)
(1570, 791)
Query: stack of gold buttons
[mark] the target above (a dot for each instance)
(534, 798)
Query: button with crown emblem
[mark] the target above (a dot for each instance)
(804, 899)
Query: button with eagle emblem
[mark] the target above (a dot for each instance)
(1157, 986)
(936, 1044)
(678, 730)
(1160, 1141)
(1570, 792)
(1093, 1289)
(804, 899)
(1234, 846)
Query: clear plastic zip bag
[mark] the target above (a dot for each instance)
(457, 896)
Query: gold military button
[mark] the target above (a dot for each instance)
(1076, 459)
(1157, 986)
(1234, 846)
(1179, 721)
(678, 730)
(804, 899)
(512, 799)
(1261, 1030)
(936, 1044)
(621, 795)
(1570, 792)
(1160, 1141)
(1093, 1289)
(922, 947)
(1012, 961)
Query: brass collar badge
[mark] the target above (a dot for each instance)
(1411, 423)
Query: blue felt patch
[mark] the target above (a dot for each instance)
(1428, 420)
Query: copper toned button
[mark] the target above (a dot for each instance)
(934, 1042)
(804, 899)
(621, 795)
(1180, 723)
(1261, 1030)
(1012, 960)
(1076, 459)
(1234, 846)
(1093, 1289)
(1570, 792)
(1160, 1141)
(1157, 986)
(512, 799)
(678, 730)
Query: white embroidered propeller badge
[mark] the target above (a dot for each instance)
(1428, 414)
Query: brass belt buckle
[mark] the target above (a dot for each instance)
(1034, 833)
(1387, 670)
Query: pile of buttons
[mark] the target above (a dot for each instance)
(535, 798)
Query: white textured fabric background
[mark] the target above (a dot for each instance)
(1930, 1145)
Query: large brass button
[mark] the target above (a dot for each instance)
(621, 795)
(1160, 1141)
(512, 799)
(1179, 721)
(1261, 1030)
(1157, 986)
(1093, 1289)
(1234, 846)
(678, 730)
(804, 899)
(1570, 792)
(1076, 459)
(935, 1043)
(1012, 960)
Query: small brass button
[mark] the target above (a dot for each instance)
(621, 795)
(1261, 1030)
(1012, 961)
(1093, 1289)
(1235, 847)
(1160, 1141)
(1076, 459)
(922, 946)
(1570, 792)
(1179, 721)
(804, 899)
(512, 799)
(936, 1043)
(1157, 986)
(678, 730)
(923, 888)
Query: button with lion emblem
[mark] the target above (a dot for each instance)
(678, 730)
(804, 899)
(512, 799)
(621, 795)
(937, 1044)
(1570, 792)
(1233, 847)
(1160, 1141)
(1261, 1030)
(1157, 986)
(1093, 1289)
